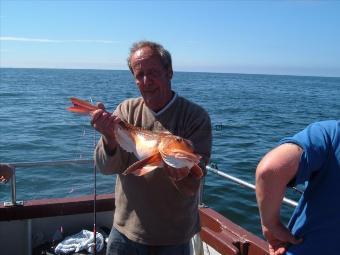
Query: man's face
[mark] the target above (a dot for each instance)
(152, 79)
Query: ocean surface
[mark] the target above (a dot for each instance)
(249, 114)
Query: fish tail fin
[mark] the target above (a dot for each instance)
(196, 171)
(81, 106)
(145, 166)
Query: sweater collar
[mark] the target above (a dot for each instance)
(167, 106)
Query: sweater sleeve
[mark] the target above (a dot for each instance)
(110, 164)
(200, 134)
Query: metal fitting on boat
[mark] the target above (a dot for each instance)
(13, 201)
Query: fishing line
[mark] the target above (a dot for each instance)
(94, 198)
(94, 195)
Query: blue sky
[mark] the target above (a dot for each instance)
(269, 37)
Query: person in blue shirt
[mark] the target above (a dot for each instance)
(311, 158)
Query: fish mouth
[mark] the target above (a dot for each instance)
(180, 154)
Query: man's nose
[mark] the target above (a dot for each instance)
(147, 80)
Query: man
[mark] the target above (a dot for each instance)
(154, 214)
(311, 157)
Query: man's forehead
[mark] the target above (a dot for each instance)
(145, 51)
(145, 54)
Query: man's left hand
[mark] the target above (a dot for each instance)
(183, 180)
(177, 174)
(279, 238)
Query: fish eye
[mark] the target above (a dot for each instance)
(178, 139)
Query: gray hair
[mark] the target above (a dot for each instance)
(163, 53)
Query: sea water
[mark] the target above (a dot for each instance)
(250, 113)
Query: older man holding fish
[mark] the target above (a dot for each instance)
(158, 144)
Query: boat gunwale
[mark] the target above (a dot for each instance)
(52, 207)
(217, 231)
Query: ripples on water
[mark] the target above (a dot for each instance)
(249, 114)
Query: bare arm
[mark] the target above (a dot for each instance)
(273, 173)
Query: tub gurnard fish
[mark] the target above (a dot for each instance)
(152, 149)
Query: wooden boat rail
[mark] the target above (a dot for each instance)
(227, 237)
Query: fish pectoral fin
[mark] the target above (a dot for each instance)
(145, 166)
(144, 170)
(196, 171)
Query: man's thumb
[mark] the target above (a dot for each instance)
(100, 105)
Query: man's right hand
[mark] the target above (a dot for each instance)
(279, 238)
(104, 122)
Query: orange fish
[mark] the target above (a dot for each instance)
(153, 149)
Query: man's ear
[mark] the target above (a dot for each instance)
(170, 73)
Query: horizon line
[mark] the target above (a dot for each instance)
(179, 71)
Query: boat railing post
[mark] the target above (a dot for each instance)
(13, 201)
(29, 237)
(13, 188)
(13, 165)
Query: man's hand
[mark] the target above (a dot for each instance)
(279, 238)
(183, 180)
(176, 174)
(104, 122)
(6, 172)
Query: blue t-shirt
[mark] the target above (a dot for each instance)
(317, 216)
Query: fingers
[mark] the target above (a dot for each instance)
(3, 180)
(100, 105)
(96, 115)
(176, 174)
(286, 236)
(278, 248)
(103, 121)
(279, 238)
(281, 251)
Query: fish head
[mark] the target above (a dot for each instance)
(178, 152)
